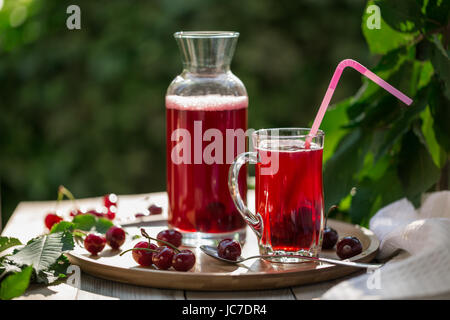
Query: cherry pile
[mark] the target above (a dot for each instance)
(346, 248)
(108, 208)
(164, 256)
(115, 236)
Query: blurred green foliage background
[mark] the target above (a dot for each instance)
(85, 108)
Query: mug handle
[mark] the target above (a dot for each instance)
(254, 221)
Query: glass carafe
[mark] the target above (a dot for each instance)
(206, 124)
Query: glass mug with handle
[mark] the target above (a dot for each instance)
(288, 192)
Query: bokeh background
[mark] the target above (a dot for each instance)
(85, 108)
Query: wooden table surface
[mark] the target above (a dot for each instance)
(27, 222)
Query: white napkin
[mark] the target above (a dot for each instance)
(422, 269)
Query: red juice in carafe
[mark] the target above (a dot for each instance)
(289, 197)
(199, 198)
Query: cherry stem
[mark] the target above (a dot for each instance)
(332, 208)
(145, 234)
(135, 249)
(80, 231)
(60, 195)
(63, 191)
(78, 236)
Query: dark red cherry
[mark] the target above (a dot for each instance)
(52, 219)
(143, 257)
(330, 237)
(183, 260)
(163, 258)
(94, 243)
(154, 209)
(110, 200)
(229, 249)
(172, 236)
(115, 237)
(348, 247)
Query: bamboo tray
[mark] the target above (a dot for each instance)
(212, 275)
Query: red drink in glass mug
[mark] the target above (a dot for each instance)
(288, 193)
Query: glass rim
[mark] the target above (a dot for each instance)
(265, 133)
(206, 34)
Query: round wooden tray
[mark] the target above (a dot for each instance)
(211, 274)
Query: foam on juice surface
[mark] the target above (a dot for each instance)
(286, 145)
(211, 102)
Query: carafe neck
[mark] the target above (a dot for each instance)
(207, 52)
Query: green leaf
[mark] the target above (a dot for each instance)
(402, 15)
(391, 62)
(362, 202)
(426, 74)
(436, 13)
(402, 125)
(15, 284)
(388, 187)
(440, 109)
(385, 39)
(63, 226)
(89, 222)
(57, 271)
(416, 169)
(430, 138)
(102, 225)
(441, 64)
(375, 192)
(6, 268)
(332, 123)
(377, 107)
(84, 222)
(42, 252)
(341, 168)
(7, 242)
(373, 169)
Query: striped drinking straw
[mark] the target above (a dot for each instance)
(333, 84)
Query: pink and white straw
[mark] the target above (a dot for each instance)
(335, 80)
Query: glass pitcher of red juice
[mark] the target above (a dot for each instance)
(206, 124)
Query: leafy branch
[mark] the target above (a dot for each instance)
(389, 151)
(41, 260)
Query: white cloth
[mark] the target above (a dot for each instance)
(422, 269)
